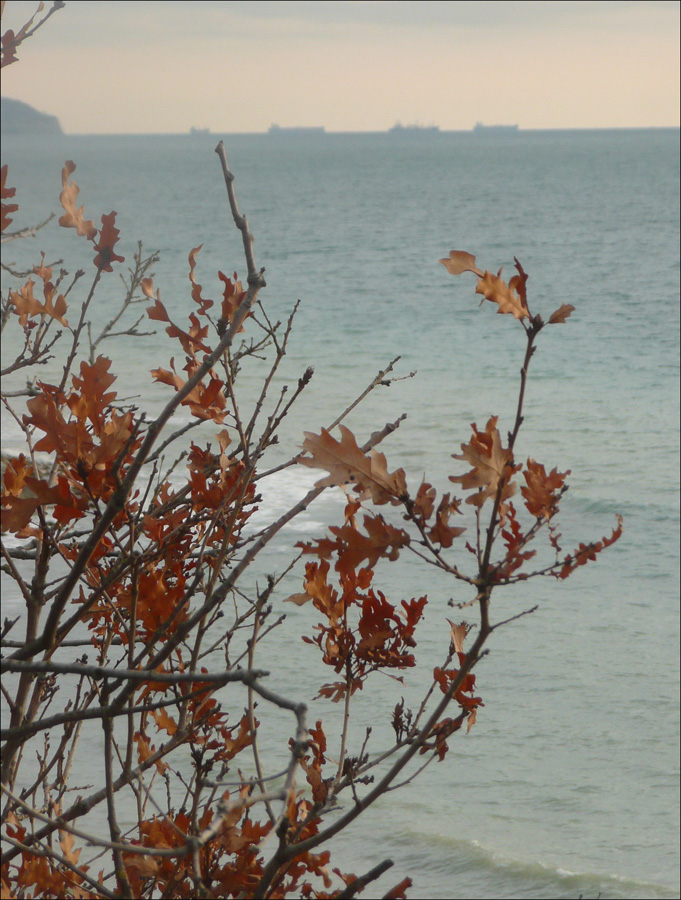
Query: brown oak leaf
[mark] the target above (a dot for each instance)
(26, 305)
(460, 261)
(108, 238)
(494, 288)
(542, 491)
(490, 464)
(347, 464)
(73, 217)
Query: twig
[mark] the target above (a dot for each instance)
(352, 889)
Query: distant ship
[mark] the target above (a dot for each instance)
(399, 128)
(494, 129)
(199, 130)
(297, 129)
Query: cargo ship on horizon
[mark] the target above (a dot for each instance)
(399, 128)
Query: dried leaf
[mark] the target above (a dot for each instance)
(203, 304)
(491, 463)
(561, 314)
(26, 305)
(442, 532)
(91, 397)
(73, 217)
(542, 491)
(205, 402)
(164, 720)
(588, 552)
(472, 718)
(232, 296)
(6, 193)
(424, 502)
(298, 599)
(147, 285)
(353, 548)
(459, 261)
(157, 312)
(108, 238)
(458, 633)
(346, 464)
(494, 288)
(398, 891)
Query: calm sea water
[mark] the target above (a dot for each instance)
(569, 783)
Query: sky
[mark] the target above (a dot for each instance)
(163, 67)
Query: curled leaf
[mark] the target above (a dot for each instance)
(147, 285)
(232, 296)
(561, 314)
(458, 633)
(202, 303)
(108, 238)
(298, 599)
(73, 216)
(26, 305)
(491, 464)
(494, 288)
(543, 490)
(459, 261)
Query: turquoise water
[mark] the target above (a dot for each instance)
(568, 784)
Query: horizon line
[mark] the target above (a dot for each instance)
(200, 133)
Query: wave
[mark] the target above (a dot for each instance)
(472, 869)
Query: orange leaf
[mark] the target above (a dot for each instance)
(69, 439)
(67, 843)
(347, 464)
(399, 891)
(204, 402)
(543, 491)
(145, 750)
(491, 463)
(108, 238)
(73, 217)
(232, 296)
(494, 288)
(424, 502)
(191, 340)
(157, 312)
(23, 493)
(90, 399)
(164, 721)
(459, 261)
(196, 287)
(442, 532)
(298, 599)
(353, 547)
(26, 305)
(588, 552)
(561, 314)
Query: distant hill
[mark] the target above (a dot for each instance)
(20, 118)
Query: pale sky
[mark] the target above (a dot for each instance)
(155, 67)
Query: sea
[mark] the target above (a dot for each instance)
(568, 784)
